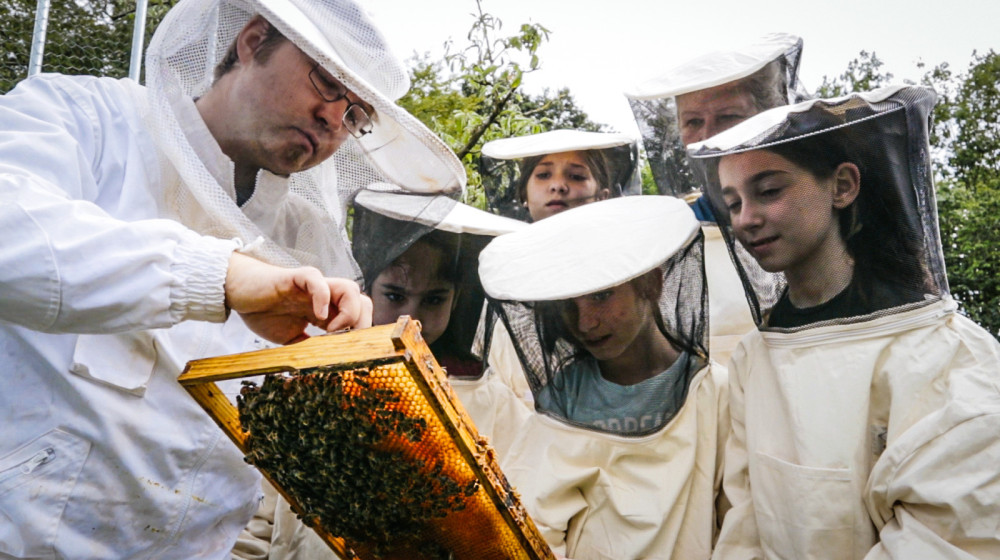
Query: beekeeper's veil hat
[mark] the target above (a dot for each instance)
(890, 229)
(504, 162)
(337, 34)
(531, 275)
(766, 69)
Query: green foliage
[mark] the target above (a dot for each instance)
(475, 93)
(965, 148)
(863, 74)
(557, 110)
(18, 18)
(648, 182)
(969, 192)
(968, 216)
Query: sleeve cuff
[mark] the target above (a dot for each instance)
(199, 290)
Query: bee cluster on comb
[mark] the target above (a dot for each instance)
(363, 435)
(339, 446)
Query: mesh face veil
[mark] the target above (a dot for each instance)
(889, 231)
(723, 87)
(387, 224)
(298, 219)
(632, 254)
(613, 159)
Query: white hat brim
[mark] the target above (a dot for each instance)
(586, 249)
(715, 68)
(553, 142)
(428, 210)
(746, 132)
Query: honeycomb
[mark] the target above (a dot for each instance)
(376, 455)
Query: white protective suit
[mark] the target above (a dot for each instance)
(601, 496)
(105, 295)
(912, 396)
(96, 424)
(864, 432)
(500, 170)
(650, 492)
(499, 414)
(771, 62)
(729, 314)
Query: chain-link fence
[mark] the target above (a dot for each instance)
(81, 36)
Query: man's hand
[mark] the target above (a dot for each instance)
(279, 303)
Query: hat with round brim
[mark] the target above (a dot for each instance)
(717, 67)
(553, 142)
(890, 229)
(439, 212)
(772, 126)
(580, 251)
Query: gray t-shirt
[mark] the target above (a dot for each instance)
(581, 395)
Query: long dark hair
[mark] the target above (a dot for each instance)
(881, 227)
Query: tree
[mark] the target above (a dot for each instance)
(92, 37)
(474, 94)
(969, 191)
(863, 74)
(558, 110)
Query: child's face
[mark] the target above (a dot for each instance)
(608, 323)
(781, 213)
(411, 285)
(560, 182)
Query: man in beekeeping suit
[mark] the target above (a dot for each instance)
(137, 219)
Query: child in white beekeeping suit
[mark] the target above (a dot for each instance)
(690, 102)
(865, 409)
(606, 307)
(419, 257)
(539, 175)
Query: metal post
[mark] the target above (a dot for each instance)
(38, 37)
(138, 38)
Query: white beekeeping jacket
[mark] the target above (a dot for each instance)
(867, 434)
(338, 35)
(96, 429)
(119, 220)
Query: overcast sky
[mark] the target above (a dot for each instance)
(599, 48)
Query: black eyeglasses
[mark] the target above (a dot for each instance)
(356, 119)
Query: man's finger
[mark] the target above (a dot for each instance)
(312, 282)
(346, 296)
(367, 311)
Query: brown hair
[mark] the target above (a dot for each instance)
(272, 39)
(878, 228)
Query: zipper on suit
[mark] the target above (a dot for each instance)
(27, 467)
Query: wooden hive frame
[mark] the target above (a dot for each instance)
(399, 343)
